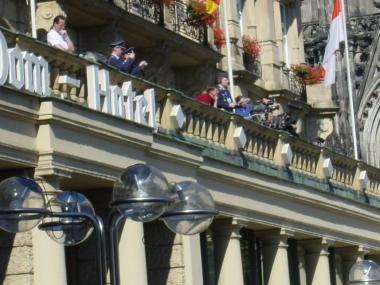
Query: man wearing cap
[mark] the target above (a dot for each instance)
(225, 100)
(129, 64)
(116, 54)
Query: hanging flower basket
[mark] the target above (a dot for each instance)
(219, 38)
(202, 12)
(308, 74)
(251, 47)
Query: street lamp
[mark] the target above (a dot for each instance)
(192, 211)
(22, 204)
(143, 194)
(71, 220)
(364, 272)
(65, 218)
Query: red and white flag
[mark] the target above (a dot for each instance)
(336, 35)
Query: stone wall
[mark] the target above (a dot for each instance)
(164, 254)
(16, 15)
(16, 259)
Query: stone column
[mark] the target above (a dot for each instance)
(338, 269)
(266, 34)
(317, 262)
(227, 252)
(132, 258)
(348, 257)
(192, 259)
(302, 265)
(275, 251)
(48, 256)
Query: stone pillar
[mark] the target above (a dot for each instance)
(192, 259)
(48, 256)
(302, 265)
(227, 252)
(266, 34)
(338, 270)
(348, 257)
(275, 251)
(317, 262)
(132, 258)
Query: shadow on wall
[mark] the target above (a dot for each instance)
(6, 245)
(161, 254)
(80, 259)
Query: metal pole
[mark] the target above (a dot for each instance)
(228, 46)
(116, 219)
(98, 226)
(33, 17)
(350, 95)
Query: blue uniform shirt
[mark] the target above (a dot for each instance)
(224, 99)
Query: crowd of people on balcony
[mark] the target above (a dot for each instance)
(260, 111)
(121, 57)
(124, 59)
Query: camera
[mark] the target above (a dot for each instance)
(271, 105)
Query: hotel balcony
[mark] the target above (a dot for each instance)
(264, 180)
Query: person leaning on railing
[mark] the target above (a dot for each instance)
(124, 59)
(115, 59)
(225, 100)
(129, 63)
(58, 37)
(209, 97)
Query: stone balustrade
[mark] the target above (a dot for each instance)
(188, 120)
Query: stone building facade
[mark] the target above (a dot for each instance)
(362, 26)
(290, 212)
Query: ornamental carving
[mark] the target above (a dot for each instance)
(361, 34)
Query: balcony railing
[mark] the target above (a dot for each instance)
(178, 21)
(150, 10)
(174, 17)
(225, 136)
(293, 84)
(253, 66)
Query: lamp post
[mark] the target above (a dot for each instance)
(364, 272)
(65, 218)
(71, 220)
(141, 193)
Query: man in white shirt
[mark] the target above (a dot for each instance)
(58, 37)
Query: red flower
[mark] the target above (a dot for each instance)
(308, 74)
(251, 46)
(197, 13)
(219, 39)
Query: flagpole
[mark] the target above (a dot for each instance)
(228, 46)
(350, 95)
(33, 17)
